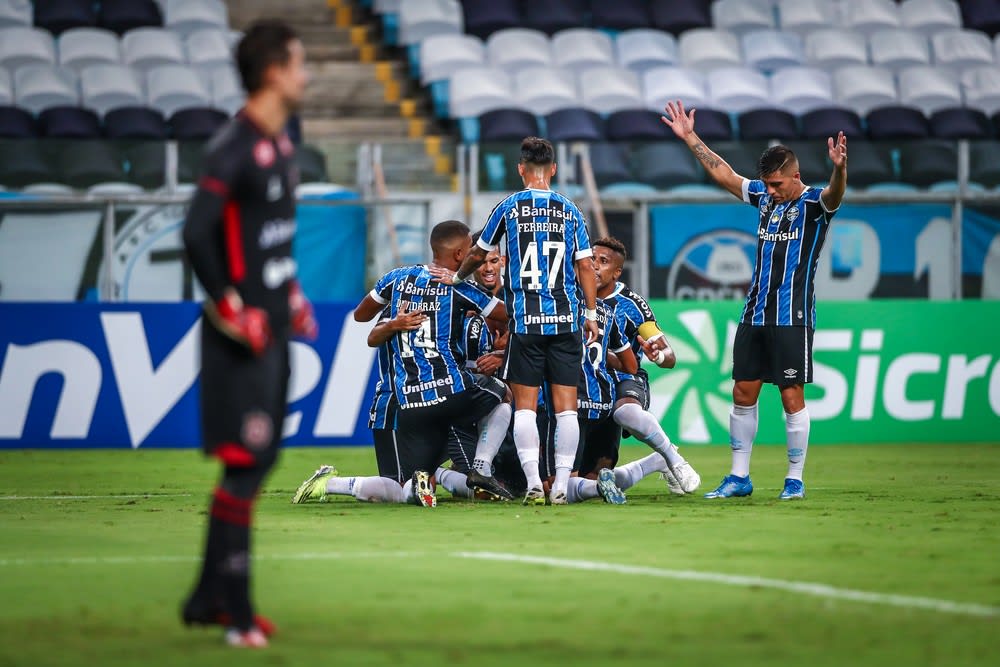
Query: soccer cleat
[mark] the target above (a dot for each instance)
(732, 487)
(672, 484)
(488, 485)
(608, 488)
(196, 612)
(314, 488)
(252, 638)
(686, 477)
(794, 489)
(534, 496)
(423, 492)
(558, 498)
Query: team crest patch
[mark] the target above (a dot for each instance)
(792, 214)
(775, 217)
(257, 430)
(263, 153)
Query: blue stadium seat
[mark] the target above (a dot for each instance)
(485, 17)
(742, 156)
(870, 163)
(575, 125)
(897, 122)
(552, 16)
(995, 120)
(814, 165)
(57, 16)
(146, 162)
(636, 125)
(666, 165)
(960, 123)
(69, 123)
(16, 123)
(827, 122)
(135, 123)
(676, 16)
(620, 14)
(610, 164)
(312, 165)
(767, 124)
(924, 163)
(713, 125)
(507, 125)
(33, 164)
(84, 163)
(195, 123)
(984, 167)
(120, 16)
(981, 15)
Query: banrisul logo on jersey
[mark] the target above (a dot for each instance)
(875, 380)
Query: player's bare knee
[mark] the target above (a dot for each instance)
(746, 393)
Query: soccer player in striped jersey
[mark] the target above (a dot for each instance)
(775, 334)
(544, 237)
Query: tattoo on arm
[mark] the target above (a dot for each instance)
(705, 156)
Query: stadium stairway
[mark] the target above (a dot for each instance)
(359, 93)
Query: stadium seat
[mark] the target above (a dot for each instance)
(474, 91)
(22, 46)
(805, 16)
(482, 18)
(713, 125)
(984, 167)
(930, 16)
(982, 88)
(223, 83)
(899, 48)
(706, 49)
(827, 122)
(113, 188)
(666, 84)
(70, 122)
(443, 55)
(960, 123)
(769, 50)
(15, 13)
(610, 88)
(146, 163)
(574, 124)
(620, 14)
(33, 164)
(146, 48)
(6, 88)
(929, 88)
(814, 165)
(57, 16)
(864, 88)
(209, 47)
(897, 122)
(665, 165)
(981, 15)
(830, 49)
(518, 48)
(507, 125)
(195, 123)
(767, 124)
(545, 89)
(121, 16)
(135, 123)
(498, 167)
(801, 89)
(962, 49)
(679, 16)
(737, 89)
(420, 20)
(742, 16)
(636, 125)
(38, 87)
(610, 163)
(582, 47)
(643, 49)
(868, 16)
(171, 88)
(742, 156)
(36, 189)
(870, 163)
(88, 162)
(312, 165)
(106, 87)
(188, 16)
(553, 15)
(82, 47)
(16, 123)
(927, 162)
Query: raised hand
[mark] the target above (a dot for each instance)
(443, 275)
(838, 150)
(677, 120)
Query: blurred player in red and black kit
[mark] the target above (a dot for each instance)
(238, 238)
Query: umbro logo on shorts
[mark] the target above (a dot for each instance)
(791, 372)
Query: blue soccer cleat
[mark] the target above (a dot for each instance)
(793, 490)
(608, 488)
(732, 487)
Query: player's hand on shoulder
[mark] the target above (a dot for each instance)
(303, 317)
(443, 275)
(245, 324)
(409, 320)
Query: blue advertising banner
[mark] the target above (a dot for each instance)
(92, 375)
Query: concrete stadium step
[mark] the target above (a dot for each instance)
(356, 127)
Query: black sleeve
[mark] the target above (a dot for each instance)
(203, 233)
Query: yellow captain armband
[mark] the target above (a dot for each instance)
(649, 330)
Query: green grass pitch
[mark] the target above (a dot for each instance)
(97, 580)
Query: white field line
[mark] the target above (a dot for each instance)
(126, 496)
(802, 587)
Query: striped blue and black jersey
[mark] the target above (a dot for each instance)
(631, 311)
(790, 236)
(477, 339)
(545, 234)
(427, 365)
(596, 391)
(383, 411)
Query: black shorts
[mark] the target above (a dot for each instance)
(636, 387)
(430, 435)
(778, 355)
(243, 398)
(387, 453)
(599, 439)
(531, 358)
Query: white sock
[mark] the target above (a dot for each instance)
(567, 439)
(580, 489)
(341, 486)
(454, 482)
(630, 474)
(378, 490)
(797, 432)
(742, 431)
(526, 443)
(492, 431)
(643, 425)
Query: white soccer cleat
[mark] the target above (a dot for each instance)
(558, 498)
(672, 484)
(252, 638)
(686, 476)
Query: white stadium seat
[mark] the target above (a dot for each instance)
(768, 50)
(899, 48)
(225, 88)
(209, 47)
(546, 89)
(38, 87)
(930, 16)
(188, 16)
(666, 84)
(512, 49)
(609, 88)
(106, 86)
(171, 88)
(643, 48)
(868, 16)
(146, 48)
(386, 6)
(929, 88)
(801, 89)
(743, 16)
(443, 55)
(15, 13)
(20, 46)
(707, 49)
(6, 88)
(833, 48)
(982, 88)
(864, 88)
(805, 16)
(114, 188)
(961, 49)
(420, 20)
(737, 89)
(82, 47)
(476, 90)
(582, 47)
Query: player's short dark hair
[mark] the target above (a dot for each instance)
(446, 231)
(537, 151)
(264, 43)
(612, 244)
(774, 159)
